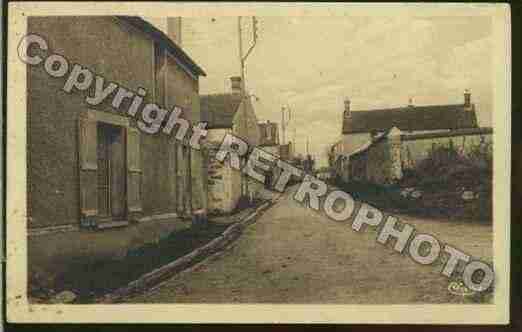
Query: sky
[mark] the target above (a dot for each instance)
(312, 63)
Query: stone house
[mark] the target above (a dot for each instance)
(360, 128)
(269, 137)
(269, 142)
(89, 168)
(286, 151)
(226, 114)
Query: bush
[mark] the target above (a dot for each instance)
(447, 172)
(452, 169)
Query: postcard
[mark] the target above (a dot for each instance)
(258, 163)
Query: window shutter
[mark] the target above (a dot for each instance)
(133, 171)
(88, 164)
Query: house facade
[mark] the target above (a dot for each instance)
(269, 142)
(361, 128)
(286, 151)
(269, 137)
(227, 114)
(89, 167)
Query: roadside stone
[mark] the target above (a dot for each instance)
(64, 297)
(406, 191)
(468, 195)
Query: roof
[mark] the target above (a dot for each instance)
(410, 118)
(218, 110)
(165, 41)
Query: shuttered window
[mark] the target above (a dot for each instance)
(134, 171)
(87, 141)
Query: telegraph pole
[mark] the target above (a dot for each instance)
(283, 125)
(285, 121)
(242, 60)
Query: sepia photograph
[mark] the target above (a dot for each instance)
(176, 162)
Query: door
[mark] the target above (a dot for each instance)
(111, 172)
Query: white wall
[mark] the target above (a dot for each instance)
(351, 142)
(224, 182)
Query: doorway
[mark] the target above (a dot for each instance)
(111, 172)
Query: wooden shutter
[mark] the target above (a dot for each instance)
(133, 171)
(88, 161)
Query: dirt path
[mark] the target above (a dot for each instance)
(295, 255)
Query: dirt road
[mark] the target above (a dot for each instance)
(293, 254)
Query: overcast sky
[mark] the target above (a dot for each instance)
(312, 63)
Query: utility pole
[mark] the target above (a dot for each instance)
(242, 60)
(285, 121)
(283, 125)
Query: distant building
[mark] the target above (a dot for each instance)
(360, 128)
(286, 151)
(224, 114)
(269, 137)
(309, 164)
(269, 142)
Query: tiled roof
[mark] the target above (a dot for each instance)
(410, 118)
(218, 110)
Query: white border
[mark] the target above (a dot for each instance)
(18, 308)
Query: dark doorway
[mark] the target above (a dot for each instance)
(111, 172)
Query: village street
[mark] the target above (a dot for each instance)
(293, 254)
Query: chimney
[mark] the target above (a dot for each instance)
(235, 84)
(174, 29)
(467, 98)
(346, 107)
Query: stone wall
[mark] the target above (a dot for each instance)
(384, 160)
(379, 163)
(223, 182)
(415, 148)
